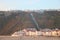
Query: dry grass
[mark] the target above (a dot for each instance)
(28, 38)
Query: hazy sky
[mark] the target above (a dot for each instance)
(29, 4)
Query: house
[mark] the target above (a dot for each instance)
(30, 31)
(19, 33)
(59, 33)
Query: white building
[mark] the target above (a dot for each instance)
(19, 33)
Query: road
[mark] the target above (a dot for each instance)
(28, 38)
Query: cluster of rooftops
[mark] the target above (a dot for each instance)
(34, 32)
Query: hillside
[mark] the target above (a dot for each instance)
(12, 21)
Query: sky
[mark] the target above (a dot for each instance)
(29, 4)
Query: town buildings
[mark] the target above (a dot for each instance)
(34, 32)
